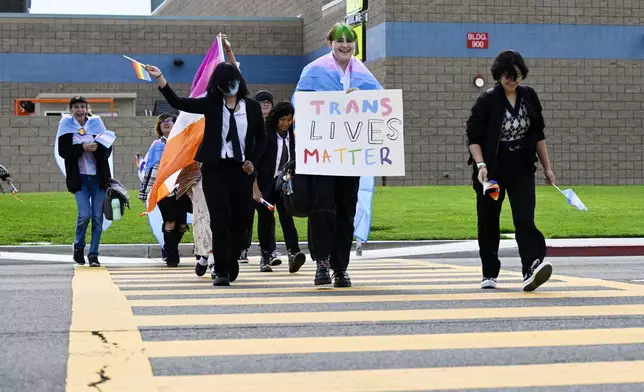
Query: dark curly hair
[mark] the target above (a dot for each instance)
(223, 76)
(506, 63)
(278, 111)
(157, 127)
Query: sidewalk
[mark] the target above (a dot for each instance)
(583, 247)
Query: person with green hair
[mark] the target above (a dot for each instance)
(340, 206)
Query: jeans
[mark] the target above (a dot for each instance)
(89, 201)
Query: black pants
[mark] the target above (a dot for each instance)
(266, 224)
(333, 208)
(249, 232)
(229, 196)
(515, 177)
(175, 210)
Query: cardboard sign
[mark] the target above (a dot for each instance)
(350, 134)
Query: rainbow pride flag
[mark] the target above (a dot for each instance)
(139, 69)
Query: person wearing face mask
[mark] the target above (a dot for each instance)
(174, 210)
(334, 198)
(265, 99)
(505, 135)
(233, 141)
(280, 149)
(86, 163)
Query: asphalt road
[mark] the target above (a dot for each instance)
(412, 324)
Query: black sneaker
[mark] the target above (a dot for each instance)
(79, 258)
(93, 261)
(200, 270)
(296, 261)
(221, 281)
(243, 257)
(275, 259)
(322, 275)
(341, 279)
(537, 275)
(265, 264)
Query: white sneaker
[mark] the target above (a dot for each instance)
(488, 283)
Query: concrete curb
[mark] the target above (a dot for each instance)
(154, 250)
(595, 251)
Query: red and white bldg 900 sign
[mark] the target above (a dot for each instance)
(477, 41)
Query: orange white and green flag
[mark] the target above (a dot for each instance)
(186, 135)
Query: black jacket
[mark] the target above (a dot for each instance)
(484, 124)
(266, 168)
(211, 107)
(71, 152)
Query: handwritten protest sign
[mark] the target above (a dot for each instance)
(354, 134)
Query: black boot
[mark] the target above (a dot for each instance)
(180, 234)
(171, 248)
(341, 279)
(322, 275)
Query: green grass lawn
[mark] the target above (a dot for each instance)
(399, 213)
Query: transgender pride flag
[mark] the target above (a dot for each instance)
(187, 132)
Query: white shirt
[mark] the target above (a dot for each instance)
(280, 144)
(242, 128)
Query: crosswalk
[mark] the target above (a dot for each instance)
(406, 325)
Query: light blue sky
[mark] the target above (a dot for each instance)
(91, 7)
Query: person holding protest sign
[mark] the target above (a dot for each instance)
(233, 141)
(280, 149)
(333, 199)
(85, 145)
(505, 134)
(174, 210)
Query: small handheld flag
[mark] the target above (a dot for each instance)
(491, 188)
(267, 204)
(572, 198)
(139, 69)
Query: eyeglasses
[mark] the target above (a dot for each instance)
(518, 79)
(167, 122)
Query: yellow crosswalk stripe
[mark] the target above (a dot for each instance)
(242, 283)
(269, 276)
(464, 277)
(388, 315)
(431, 379)
(209, 290)
(346, 344)
(382, 298)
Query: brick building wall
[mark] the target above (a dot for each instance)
(28, 35)
(26, 149)
(316, 22)
(615, 12)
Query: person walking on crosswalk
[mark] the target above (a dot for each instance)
(280, 149)
(505, 134)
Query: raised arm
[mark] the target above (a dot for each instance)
(190, 105)
(229, 50)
